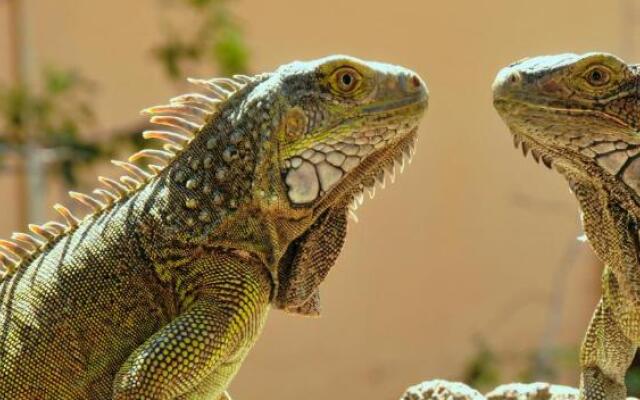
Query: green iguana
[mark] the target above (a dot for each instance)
(162, 290)
(580, 115)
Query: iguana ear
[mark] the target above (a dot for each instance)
(308, 261)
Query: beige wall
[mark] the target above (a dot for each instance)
(466, 243)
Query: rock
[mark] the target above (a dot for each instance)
(441, 390)
(444, 390)
(533, 391)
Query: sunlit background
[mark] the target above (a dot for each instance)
(467, 268)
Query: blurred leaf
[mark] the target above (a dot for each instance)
(14, 103)
(200, 3)
(59, 114)
(486, 366)
(173, 54)
(632, 379)
(217, 40)
(58, 81)
(482, 369)
(231, 52)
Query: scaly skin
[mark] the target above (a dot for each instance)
(580, 115)
(164, 288)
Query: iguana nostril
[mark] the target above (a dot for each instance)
(515, 78)
(506, 81)
(410, 83)
(415, 81)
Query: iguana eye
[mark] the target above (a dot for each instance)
(597, 76)
(346, 79)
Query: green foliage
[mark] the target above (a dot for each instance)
(545, 365)
(51, 118)
(487, 368)
(217, 39)
(58, 114)
(632, 379)
(173, 54)
(482, 370)
(230, 51)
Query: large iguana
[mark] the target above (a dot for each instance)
(580, 114)
(161, 291)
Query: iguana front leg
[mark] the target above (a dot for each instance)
(224, 302)
(606, 351)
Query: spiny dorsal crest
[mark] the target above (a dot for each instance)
(182, 118)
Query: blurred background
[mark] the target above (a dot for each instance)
(467, 268)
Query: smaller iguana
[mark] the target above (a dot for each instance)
(580, 114)
(162, 290)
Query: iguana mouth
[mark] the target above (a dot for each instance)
(419, 100)
(534, 108)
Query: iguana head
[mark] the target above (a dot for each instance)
(344, 122)
(578, 113)
(287, 145)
